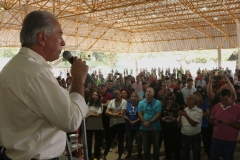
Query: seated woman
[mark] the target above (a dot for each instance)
(116, 111)
(94, 124)
(133, 126)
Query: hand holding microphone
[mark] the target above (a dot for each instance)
(79, 70)
(81, 67)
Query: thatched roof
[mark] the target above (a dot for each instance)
(131, 26)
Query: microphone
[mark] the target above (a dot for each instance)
(68, 56)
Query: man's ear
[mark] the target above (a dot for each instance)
(41, 38)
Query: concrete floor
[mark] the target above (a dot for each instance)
(113, 156)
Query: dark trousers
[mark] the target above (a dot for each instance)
(126, 142)
(130, 135)
(119, 130)
(206, 138)
(149, 137)
(97, 146)
(172, 139)
(105, 122)
(194, 142)
(221, 148)
(160, 136)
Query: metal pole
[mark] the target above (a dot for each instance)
(84, 139)
(68, 149)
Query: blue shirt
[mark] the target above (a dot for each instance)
(132, 114)
(140, 95)
(204, 107)
(111, 92)
(149, 111)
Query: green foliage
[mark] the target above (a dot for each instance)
(110, 59)
(8, 52)
(107, 58)
(203, 56)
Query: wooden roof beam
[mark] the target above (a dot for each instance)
(202, 32)
(226, 8)
(111, 8)
(100, 36)
(202, 17)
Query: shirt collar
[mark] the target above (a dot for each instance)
(145, 100)
(225, 108)
(35, 56)
(191, 109)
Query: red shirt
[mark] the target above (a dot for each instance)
(221, 83)
(106, 97)
(232, 114)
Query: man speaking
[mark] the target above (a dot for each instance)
(35, 112)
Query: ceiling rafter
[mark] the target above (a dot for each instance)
(101, 36)
(202, 17)
(107, 9)
(130, 25)
(226, 8)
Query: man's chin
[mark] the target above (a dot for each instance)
(54, 59)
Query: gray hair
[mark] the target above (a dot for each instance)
(35, 22)
(194, 97)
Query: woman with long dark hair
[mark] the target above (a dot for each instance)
(171, 132)
(125, 96)
(94, 124)
(116, 111)
(158, 94)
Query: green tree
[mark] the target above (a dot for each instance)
(8, 52)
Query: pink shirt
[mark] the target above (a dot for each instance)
(137, 86)
(230, 113)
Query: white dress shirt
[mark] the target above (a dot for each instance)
(186, 91)
(195, 114)
(201, 83)
(35, 112)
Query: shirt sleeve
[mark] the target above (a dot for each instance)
(99, 110)
(140, 106)
(110, 104)
(124, 105)
(198, 116)
(213, 112)
(53, 103)
(238, 117)
(158, 106)
(206, 106)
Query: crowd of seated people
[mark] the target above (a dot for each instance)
(164, 106)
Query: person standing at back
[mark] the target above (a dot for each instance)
(189, 89)
(36, 112)
(137, 86)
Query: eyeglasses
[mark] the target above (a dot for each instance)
(169, 99)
